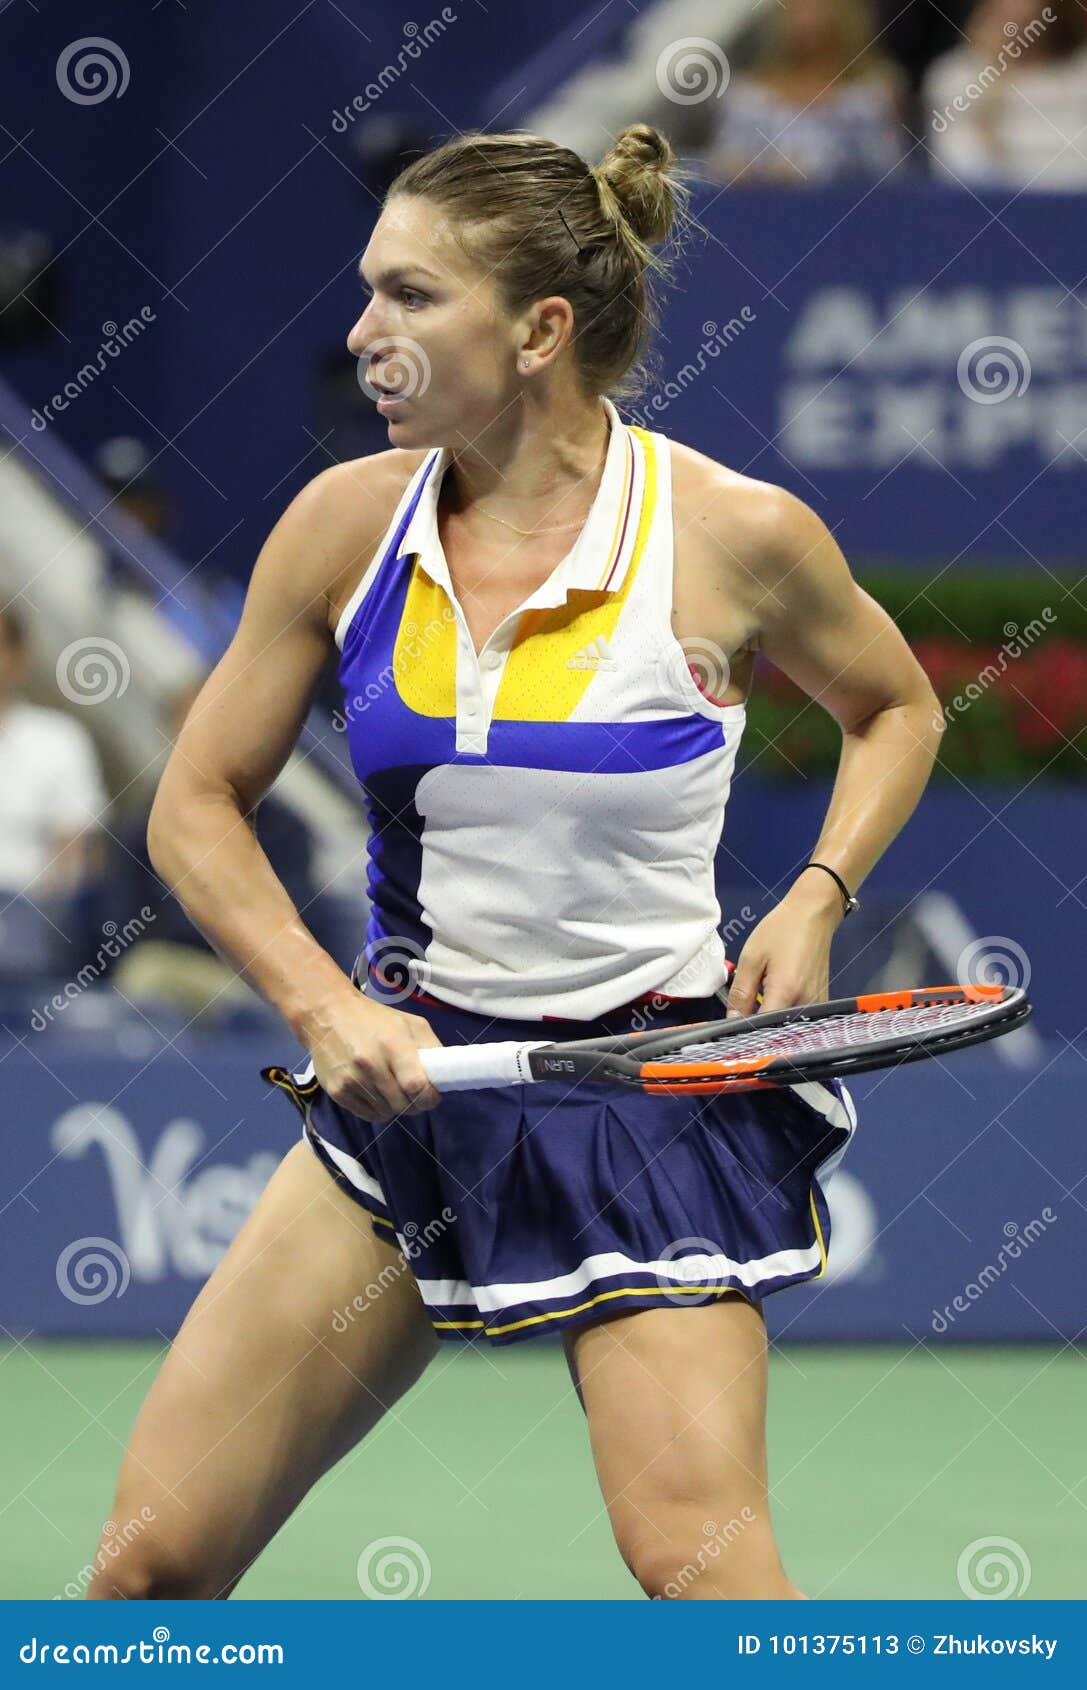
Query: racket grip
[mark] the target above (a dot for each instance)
(474, 1067)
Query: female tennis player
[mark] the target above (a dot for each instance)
(546, 622)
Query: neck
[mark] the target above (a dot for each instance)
(537, 466)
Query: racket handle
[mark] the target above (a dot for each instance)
(473, 1067)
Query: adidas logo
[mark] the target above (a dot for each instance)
(596, 655)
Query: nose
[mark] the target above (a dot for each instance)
(362, 332)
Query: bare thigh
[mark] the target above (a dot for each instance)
(263, 1388)
(676, 1405)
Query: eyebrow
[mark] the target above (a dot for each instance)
(388, 278)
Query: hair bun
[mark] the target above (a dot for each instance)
(640, 171)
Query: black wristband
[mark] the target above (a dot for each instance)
(851, 904)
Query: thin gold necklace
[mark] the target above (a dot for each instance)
(558, 527)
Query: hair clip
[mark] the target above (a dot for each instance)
(583, 252)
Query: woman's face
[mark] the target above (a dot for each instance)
(434, 349)
(809, 27)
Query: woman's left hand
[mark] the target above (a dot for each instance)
(787, 956)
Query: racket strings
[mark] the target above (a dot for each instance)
(857, 1028)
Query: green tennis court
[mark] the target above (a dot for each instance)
(886, 1464)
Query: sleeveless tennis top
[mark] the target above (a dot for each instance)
(543, 817)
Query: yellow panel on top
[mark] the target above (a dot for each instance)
(536, 684)
(424, 662)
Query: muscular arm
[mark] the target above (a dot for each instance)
(829, 636)
(841, 648)
(237, 737)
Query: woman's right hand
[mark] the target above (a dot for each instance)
(365, 1056)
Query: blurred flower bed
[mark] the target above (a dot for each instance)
(1007, 655)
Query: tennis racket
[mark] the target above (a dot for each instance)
(815, 1041)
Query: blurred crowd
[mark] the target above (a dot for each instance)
(991, 94)
(84, 918)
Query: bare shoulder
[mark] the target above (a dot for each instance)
(758, 569)
(340, 516)
(745, 535)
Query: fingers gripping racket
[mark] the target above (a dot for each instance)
(786, 1047)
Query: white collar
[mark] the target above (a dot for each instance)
(599, 558)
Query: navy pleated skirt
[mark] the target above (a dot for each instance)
(525, 1209)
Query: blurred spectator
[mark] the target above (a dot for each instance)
(1009, 108)
(171, 964)
(125, 468)
(819, 102)
(51, 789)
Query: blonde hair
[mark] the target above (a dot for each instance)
(539, 220)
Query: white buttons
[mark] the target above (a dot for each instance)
(493, 660)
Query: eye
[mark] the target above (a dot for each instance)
(408, 295)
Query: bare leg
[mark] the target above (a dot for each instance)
(261, 1393)
(676, 1404)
